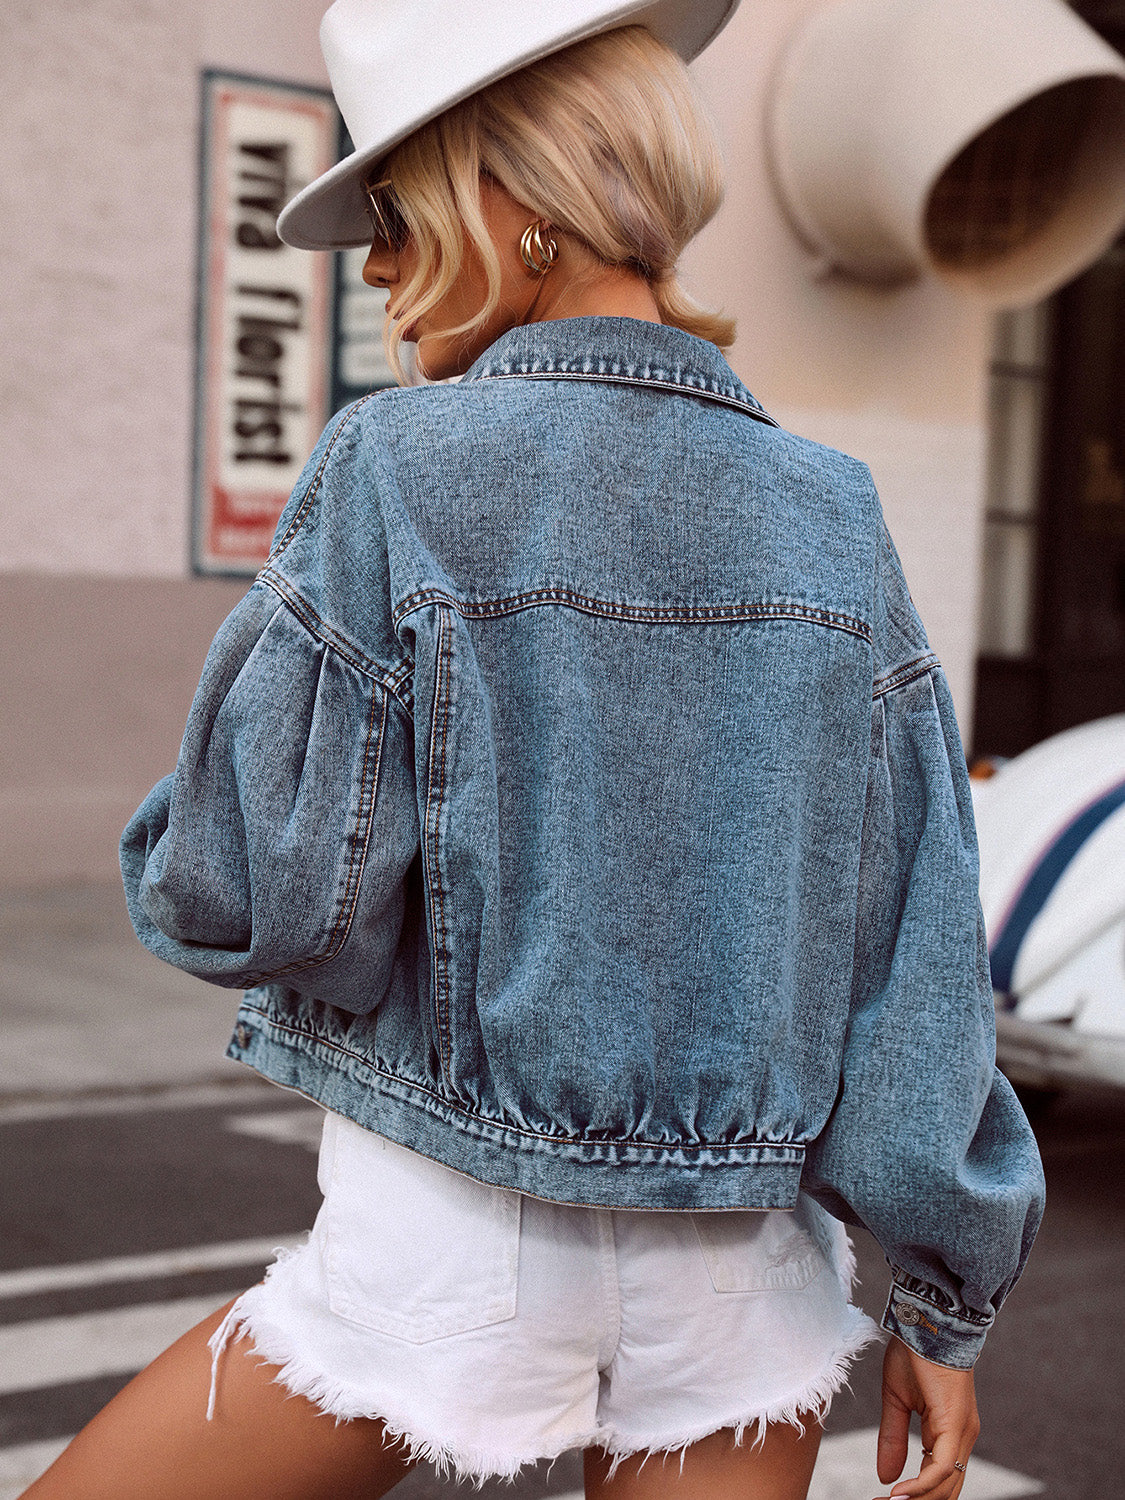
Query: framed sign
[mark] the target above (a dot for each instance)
(264, 345)
(359, 364)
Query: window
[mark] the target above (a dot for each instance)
(1017, 401)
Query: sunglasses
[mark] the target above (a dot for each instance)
(387, 222)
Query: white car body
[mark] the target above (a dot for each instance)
(1051, 824)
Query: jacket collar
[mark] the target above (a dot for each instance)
(619, 351)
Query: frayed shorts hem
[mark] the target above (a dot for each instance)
(299, 1377)
(807, 1406)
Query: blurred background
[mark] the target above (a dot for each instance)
(922, 246)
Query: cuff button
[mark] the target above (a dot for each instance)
(906, 1313)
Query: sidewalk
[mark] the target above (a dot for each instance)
(84, 1008)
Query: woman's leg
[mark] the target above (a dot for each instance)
(152, 1441)
(779, 1468)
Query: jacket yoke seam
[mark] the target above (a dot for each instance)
(797, 1147)
(395, 682)
(642, 614)
(314, 483)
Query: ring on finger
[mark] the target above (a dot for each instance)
(963, 1468)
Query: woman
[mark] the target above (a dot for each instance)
(578, 798)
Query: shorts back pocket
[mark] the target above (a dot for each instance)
(756, 1250)
(412, 1248)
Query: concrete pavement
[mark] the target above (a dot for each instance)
(85, 1008)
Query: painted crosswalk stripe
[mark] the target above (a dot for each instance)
(178, 1262)
(145, 1101)
(56, 1351)
(21, 1465)
(287, 1127)
(845, 1470)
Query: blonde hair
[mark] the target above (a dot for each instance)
(605, 140)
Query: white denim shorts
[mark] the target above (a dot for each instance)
(488, 1330)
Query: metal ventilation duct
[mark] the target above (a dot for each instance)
(981, 140)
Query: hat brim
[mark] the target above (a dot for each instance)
(329, 213)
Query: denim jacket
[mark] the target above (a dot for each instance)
(578, 798)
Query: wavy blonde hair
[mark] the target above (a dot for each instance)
(605, 140)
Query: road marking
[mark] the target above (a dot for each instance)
(36, 1279)
(56, 1351)
(292, 1127)
(22, 1465)
(126, 1102)
(845, 1470)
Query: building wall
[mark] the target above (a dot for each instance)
(98, 237)
(97, 675)
(104, 629)
(895, 377)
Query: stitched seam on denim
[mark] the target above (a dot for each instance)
(562, 1202)
(434, 803)
(697, 965)
(357, 854)
(904, 1282)
(642, 614)
(530, 1135)
(314, 483)
(904, 674)
(395, 681)
(676, 387)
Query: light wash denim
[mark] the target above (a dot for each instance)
(577, 795)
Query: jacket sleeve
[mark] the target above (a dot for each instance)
(279, 847)
(927, 1146)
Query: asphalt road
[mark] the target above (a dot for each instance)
(127, 1216)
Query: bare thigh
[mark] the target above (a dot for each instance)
(780, 1468)
(152, 1441)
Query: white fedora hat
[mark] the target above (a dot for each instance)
(394, 64)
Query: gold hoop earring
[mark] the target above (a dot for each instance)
(537, 252)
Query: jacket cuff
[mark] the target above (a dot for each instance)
(944, 1338)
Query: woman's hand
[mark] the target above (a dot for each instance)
(947, 1404)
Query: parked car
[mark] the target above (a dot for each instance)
(1051, 824)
